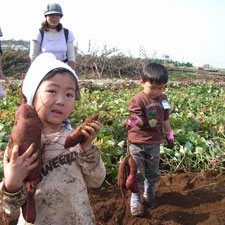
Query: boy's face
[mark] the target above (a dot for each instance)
(54, 100)
(152, 90)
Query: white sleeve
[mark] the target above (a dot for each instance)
(70, 52)
(35, 45)
(70, 47)
(34, 49)
(71, 37)
(37, 36)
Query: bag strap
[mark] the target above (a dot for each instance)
(66, 33)
(42, 36)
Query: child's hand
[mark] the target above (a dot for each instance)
(90, 133)
(170, 140)
(133, 121)
(18, 167)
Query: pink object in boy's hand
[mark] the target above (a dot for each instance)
(170, 139)
(132, 122)
(169, 135)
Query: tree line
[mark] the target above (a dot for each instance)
(96, 63)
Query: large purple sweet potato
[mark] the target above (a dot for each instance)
(76, 136)
(26, 131)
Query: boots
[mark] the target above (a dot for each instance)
(149, 194)
(136, 206)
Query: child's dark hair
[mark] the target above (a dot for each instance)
(63, 70)
(155, 73)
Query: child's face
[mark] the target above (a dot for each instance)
(54, 100)
(153, 90)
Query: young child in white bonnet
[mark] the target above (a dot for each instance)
(37, 72)
(51, 87)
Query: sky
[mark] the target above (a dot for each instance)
(185, 30)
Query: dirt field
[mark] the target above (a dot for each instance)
(184, 198)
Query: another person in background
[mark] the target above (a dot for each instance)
(53, 38)
(150, 107)
(2, 76)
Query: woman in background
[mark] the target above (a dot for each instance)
(53, 38)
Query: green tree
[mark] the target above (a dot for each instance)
(15, 62)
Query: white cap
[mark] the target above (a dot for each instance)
(41, 66)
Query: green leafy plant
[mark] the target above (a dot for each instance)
(197, 119)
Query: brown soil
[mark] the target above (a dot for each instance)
(184, 198)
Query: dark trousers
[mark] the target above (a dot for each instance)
(147, 157)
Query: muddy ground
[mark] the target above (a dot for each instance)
(184, 198)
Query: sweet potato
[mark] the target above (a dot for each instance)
(76, 136)
(122, 174)
(29, 210)
(127, 166)
(26, 131)
(131, 182)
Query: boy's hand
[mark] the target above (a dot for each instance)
(18, 167)
(132, 121)
(90, 133)
(170, 140)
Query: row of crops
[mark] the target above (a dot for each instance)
(197, 118)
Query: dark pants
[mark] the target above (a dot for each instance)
(147, 157)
